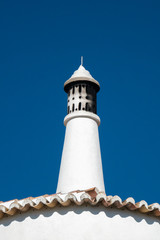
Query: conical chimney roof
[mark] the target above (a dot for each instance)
(81, 74)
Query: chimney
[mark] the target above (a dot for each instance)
(81, 165)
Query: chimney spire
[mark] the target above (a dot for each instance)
(81, 166)
(81, 60)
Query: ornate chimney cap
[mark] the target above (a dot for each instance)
(81, 75)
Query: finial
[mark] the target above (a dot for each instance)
(81, 60)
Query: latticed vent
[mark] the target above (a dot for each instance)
(82, 97)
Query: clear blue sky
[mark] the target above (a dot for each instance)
(40, 46)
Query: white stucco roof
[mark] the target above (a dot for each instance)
(91, 196)
(81, 74)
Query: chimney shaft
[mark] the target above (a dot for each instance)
(81, 166)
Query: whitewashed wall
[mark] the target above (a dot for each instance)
(84, 222)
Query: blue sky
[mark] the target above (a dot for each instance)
(40, 46)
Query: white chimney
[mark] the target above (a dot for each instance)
(81, 165)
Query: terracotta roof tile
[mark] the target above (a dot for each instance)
(91, 196)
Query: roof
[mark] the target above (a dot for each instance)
(81, 74)
(91, 196)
